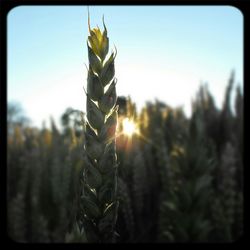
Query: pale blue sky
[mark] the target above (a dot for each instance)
(164, 52)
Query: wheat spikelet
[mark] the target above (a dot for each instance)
(100, 174)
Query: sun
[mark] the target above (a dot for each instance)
(129, 127)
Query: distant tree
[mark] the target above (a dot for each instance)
(16, 116)
(72, 119)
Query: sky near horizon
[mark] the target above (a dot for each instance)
(164, 52)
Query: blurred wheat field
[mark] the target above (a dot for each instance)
(179, 179)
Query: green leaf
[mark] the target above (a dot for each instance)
(109, 209)
(94, 86)
(99, 41)
(94, 178)
(105, 42)
(106, 222)
(94, 43)
(105, 193)
(108, 100)
(91, 209)
(94, 115)
(94, 148)
(107, 133)
(89, 131)
(90, 193)
(94, 61)
(108, 159)
(108, 70)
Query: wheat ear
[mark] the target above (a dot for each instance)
(99, 198)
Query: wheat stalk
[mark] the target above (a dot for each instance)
(99, 199)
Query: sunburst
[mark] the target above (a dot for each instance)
(129, 127)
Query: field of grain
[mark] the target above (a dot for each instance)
(120, 175)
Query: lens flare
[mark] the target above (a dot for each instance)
(129, 127)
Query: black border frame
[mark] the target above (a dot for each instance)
(7, 5)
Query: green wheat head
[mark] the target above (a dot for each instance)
(100, 174)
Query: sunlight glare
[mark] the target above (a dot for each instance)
(129, 127)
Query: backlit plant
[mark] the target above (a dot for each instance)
(99, 201)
